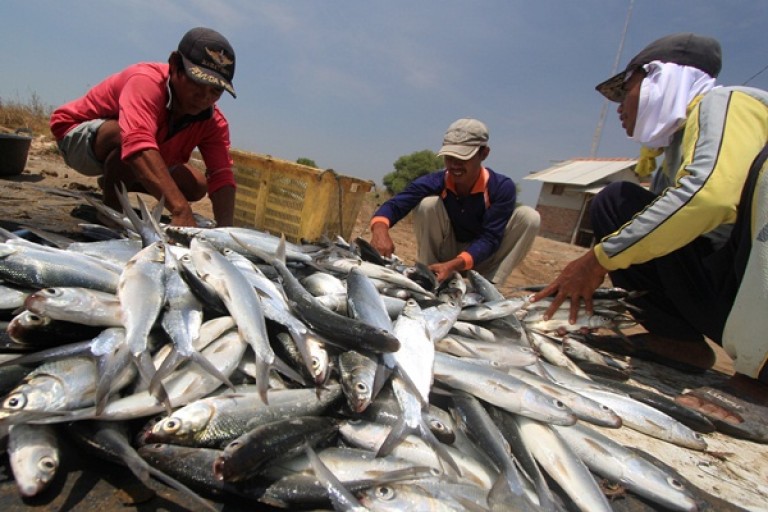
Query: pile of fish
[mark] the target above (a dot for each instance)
(308, 376)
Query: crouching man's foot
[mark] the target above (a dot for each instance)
(738, 408)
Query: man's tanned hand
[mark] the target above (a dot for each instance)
(578, 281)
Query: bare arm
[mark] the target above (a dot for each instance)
(150, 170)
(223, 202)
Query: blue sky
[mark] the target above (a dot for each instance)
(354, 85)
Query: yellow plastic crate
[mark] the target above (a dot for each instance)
(299, 201)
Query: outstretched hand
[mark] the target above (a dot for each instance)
(578, 281)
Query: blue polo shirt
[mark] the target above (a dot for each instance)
(478, 219)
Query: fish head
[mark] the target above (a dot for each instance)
(183, 426)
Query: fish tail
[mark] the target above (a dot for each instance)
(147, 371)
(396, 435)
(262, 381)
(206, 365)
(108, 370)
(382, 376)
(170, 363)
(289, 372)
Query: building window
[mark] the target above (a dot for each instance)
(558, 189)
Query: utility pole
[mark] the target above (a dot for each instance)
(601, 121)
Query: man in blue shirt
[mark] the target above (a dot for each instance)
(465, 215)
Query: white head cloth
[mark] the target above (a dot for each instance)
(665, 93)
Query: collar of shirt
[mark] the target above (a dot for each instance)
(185, 120)
(480, 185)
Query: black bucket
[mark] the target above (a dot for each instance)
(14, 150)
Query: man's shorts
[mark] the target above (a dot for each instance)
(77, 148)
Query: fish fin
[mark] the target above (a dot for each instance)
(502, 495)
(396, 435)
(340, 496)
(170, 363)
(206, 365)
(261, 374)
(175, 484)
(147, 371)
(125, 203)
(280, 251)
(289, 372)
(109, 369)
(148, 219)
(382, 376)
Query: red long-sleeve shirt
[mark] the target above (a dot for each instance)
(138, 97)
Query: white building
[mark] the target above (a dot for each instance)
(567, 190)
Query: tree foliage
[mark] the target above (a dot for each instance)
(306, 161)
(410, 167)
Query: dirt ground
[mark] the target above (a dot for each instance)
(49, 196)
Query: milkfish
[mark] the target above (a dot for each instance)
(399, 398)
(345, 331)
(242, 302)
(626, 467)
(33, 452)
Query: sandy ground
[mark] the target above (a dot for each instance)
(48, 195)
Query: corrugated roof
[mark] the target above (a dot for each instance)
(582, 171)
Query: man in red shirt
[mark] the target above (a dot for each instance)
(139, 127)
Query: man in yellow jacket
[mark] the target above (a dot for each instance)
(689, 240)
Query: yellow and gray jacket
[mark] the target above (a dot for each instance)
(725, 130)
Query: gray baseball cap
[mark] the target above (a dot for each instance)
(686, 49)
(463, 138)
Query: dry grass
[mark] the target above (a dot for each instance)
(31, 116)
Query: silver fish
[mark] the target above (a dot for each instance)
(33, 452)
(648, 420)
(347, 332)
(241, 300)
(370, 436)
(624, 466)
(81, 305)
(334, 261)
(491, 310)
(504, 354)
(487, 435)
(358, 377)
(211, 421)
(33, 267)
(563, 466)
(501, 389)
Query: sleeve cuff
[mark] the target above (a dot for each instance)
(469, 261)
(376, 220)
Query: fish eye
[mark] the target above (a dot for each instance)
(15, 401)
(48, 464)
(171, 425)
(385, 493)
(52, 292)
(675, 484)
(559, 404)
(361, 387)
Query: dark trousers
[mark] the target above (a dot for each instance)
(691, 290)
